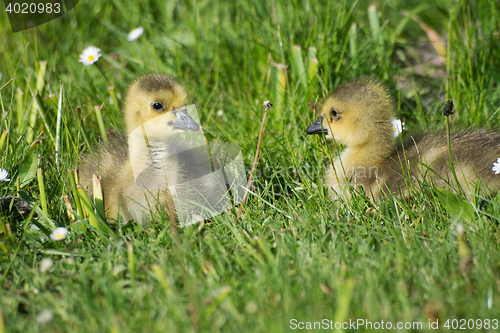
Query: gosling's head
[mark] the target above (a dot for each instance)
(154, 95)
(356, 113)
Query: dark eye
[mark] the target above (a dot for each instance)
(158, 106)
(334, 114)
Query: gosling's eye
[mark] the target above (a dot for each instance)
(183, 119)
(158, 106)
(334, 114)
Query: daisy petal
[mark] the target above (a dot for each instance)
(135, 34)
(496, 167)
(3, 175)
(397, 126)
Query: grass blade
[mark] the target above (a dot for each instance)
(58, 128)
(40, 83)
(298, 65)
(42, 191)
(101, 123)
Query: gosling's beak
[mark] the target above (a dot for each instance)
(317, 127)
(184, 121)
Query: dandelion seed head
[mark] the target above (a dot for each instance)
(45, 265)
(44, 317)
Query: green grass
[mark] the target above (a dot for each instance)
(295, 254)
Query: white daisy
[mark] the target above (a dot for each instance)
(397, 126)
(135, 34)
(220, 113)
(59, 234)
(90, 55)
(3, 175)
(496, 167)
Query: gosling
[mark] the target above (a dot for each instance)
(359, 115)
(124, 194)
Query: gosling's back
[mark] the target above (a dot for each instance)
(426, 156)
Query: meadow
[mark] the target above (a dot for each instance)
(294, 255)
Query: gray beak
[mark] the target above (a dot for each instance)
(184, 121)
(317, 127)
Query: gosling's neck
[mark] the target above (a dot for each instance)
(372, 152)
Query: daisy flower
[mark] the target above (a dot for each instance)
(397, 126)
(3, 175)
(59, 234)
(496, 167)
(90, 55)
(135, 34)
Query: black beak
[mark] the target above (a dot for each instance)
(317, 127)
(184, 121)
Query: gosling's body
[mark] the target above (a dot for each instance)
(358, 114)
(148, 97)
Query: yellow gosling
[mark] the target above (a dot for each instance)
(148, 97)
(358, 115)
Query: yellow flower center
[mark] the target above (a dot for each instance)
(59, 236)
(91, 57)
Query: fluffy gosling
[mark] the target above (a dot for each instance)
(148, 97)
(358, 114)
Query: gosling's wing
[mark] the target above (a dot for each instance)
(106, 161)
(474, 153)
